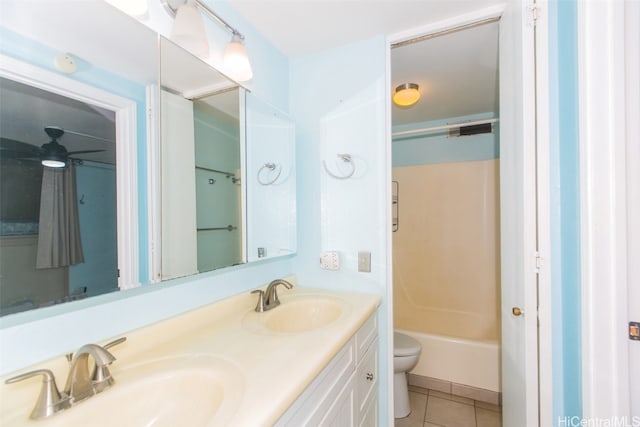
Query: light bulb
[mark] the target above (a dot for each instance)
(188, 31)
(236, 62)
(53, 163)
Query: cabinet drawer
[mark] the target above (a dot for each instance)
(365, 335)
(367, 377)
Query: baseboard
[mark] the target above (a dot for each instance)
(462, 390)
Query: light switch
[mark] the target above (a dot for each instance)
(364, 262)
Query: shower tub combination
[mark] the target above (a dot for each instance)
(446, 273)
(461, 348)
(459, 361)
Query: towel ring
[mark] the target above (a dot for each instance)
(345, 158)
(270, 167)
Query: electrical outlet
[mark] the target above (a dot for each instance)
(364, 262)
(330, 260)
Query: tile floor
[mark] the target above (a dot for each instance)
(431, 408)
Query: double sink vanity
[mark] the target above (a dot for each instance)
(309, 360)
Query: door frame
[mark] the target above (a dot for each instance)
(603, 207)
(539, 370)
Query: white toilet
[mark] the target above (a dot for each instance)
(406, 352)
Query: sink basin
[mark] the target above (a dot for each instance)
(190, 391)
(297, 314)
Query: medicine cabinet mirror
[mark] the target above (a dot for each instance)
(202, 152)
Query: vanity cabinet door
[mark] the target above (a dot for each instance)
(319, 398)
(369, 418)
(343, 411)
(367, 387)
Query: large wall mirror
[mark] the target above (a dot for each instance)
(175, 179)
(73, 232)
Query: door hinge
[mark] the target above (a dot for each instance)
(538, 262)
(534, 13)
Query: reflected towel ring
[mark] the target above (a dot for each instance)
(270, 167)
(345, 158)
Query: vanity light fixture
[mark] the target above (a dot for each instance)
(190, 34)
(406, 94)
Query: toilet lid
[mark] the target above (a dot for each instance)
(404, 345)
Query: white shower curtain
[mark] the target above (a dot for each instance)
(59, 243)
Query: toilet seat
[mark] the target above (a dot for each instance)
(404, 345)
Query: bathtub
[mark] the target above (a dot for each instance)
(474, 363)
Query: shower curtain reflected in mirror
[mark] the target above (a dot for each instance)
(59, 243)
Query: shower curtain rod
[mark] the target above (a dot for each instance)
(443, 127)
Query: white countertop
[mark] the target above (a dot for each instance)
(272, 369)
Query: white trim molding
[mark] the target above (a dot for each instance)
(543, 206)
(605, 365)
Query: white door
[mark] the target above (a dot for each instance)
(518, 217)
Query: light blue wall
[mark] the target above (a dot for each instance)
(338, 102)
(565, 210)
(439, 148)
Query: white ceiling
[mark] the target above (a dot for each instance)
(300, 27)
(457, 73)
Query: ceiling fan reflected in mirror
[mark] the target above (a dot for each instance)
(51, 154)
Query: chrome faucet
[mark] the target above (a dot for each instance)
(80, 384)
(269, 298)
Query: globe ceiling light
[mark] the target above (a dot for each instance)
(406, 94)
